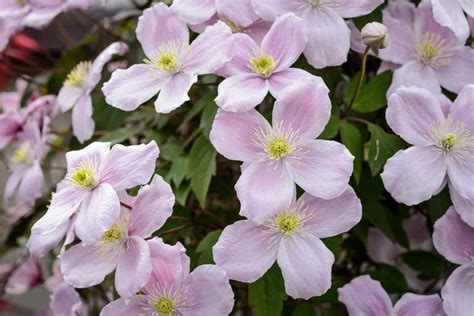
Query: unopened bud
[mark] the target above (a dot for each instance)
(375, 35)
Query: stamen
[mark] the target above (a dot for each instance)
(22, 154)
(449, 141)
(164, 306)
(428, 51)
(452, 137)
(114, 233)
(315, 2)
(166, 61)
(278, 147)
(83, 175)
(263, 64)
(78, 75)
(287, 222)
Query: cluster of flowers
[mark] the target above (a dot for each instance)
(253, 44)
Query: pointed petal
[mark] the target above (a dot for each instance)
(117, 48)
(68, 96)
(407, 169)
(40, 245)
(264, 189)
(174, 92)
(242, 92)
(121, 170)
(453, 238)
(14, 180)
(364, 296)
(153, 206)
(32, 185)
(311, 276)
(233, 134)
(82, 123)
(246, 251)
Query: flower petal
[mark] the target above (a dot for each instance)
(412, 304)
(243, 49)
(95, 73)
(245, 251)
(311, 276)
(233, 134)
(264, 189)
(82, 123)
(461, 173)
(40, 245)
(210, 50)
(98, 212)
(210, 290)
(66, 301)
(281, 80)
(63, 204)
(32, 185)
(84, 266)
(285, 41)
(240, 13)
(126, 307)
(303, 107)
(242, 92)
(153, 206)
(121, 169)
(381, 249)
(351, 9)
(364, 296)
(269, 10)
(159, 25)
(14, 180)
(329, 38)
(450, 14)
(332, 217)
(411, 113)
(463, 206)
(457, 74)
(194, 11)
(128, 88)
(414, 73)
(322, 168)
(133, 268)
(174, 92)
(453, 238)
(463, 108)
(458, 291)
(68, 96)
(415, 174)
(95, 152)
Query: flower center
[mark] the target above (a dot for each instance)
(234, 27)
(22, 154)
(164, 306)
(278, 147)
(428, 51)
(315, 2)
(167, 61)
(112, 234)
(84, 175)
(449, 141)
(287, 222)
(263, 65)
(77, 76)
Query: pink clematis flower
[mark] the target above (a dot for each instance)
(430, 55)
(123, 247)
(173, 64)
(66, 301)
(275, 157)
(383, 250)
(77, 89)
(443, 148)
(246, 250)
(238, 15)
(94, 176)
(254, 70)
(328, 34)
(450, 13)
(24, 277)
(25, 164)
(172, 290)
(366, 297)
(454, 239)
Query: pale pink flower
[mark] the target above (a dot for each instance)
(450, 13)
(292, 238)
(172, 290)
(254, 71)
(65, 301)
(430, 55)
(328, 34)
(94, 176)
(278, 155)
(366, 297)
(173, 65)
(454, 239)
(76, 91)
(24, 277)
(443, 150)
(123, 247)
(238, 15)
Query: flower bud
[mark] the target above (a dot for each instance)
(375, 35)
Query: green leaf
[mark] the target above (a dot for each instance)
(182, 193)
(331, 129)
(206, 98)
(201, 168)
(426, 263)
(382, 146)
(352, 138)
(207, 118)
(120, 135)
(170, 151)
(392, 280)
(267, 294)
(439, 204)
(178, 170)
(209, 241)
(304, 310)
(372, 96)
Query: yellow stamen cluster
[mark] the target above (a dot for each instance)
(428, 50)
(112, 234)
(314, 2)
(278, 147)
(167, 61)
(84, 175)
(263, 65)
(287, 222)
(22, 154)
(78, 75)
(449, 141)
(164, 306)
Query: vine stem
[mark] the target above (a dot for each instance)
(361, 77)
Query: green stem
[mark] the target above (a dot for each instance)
(361, 78)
